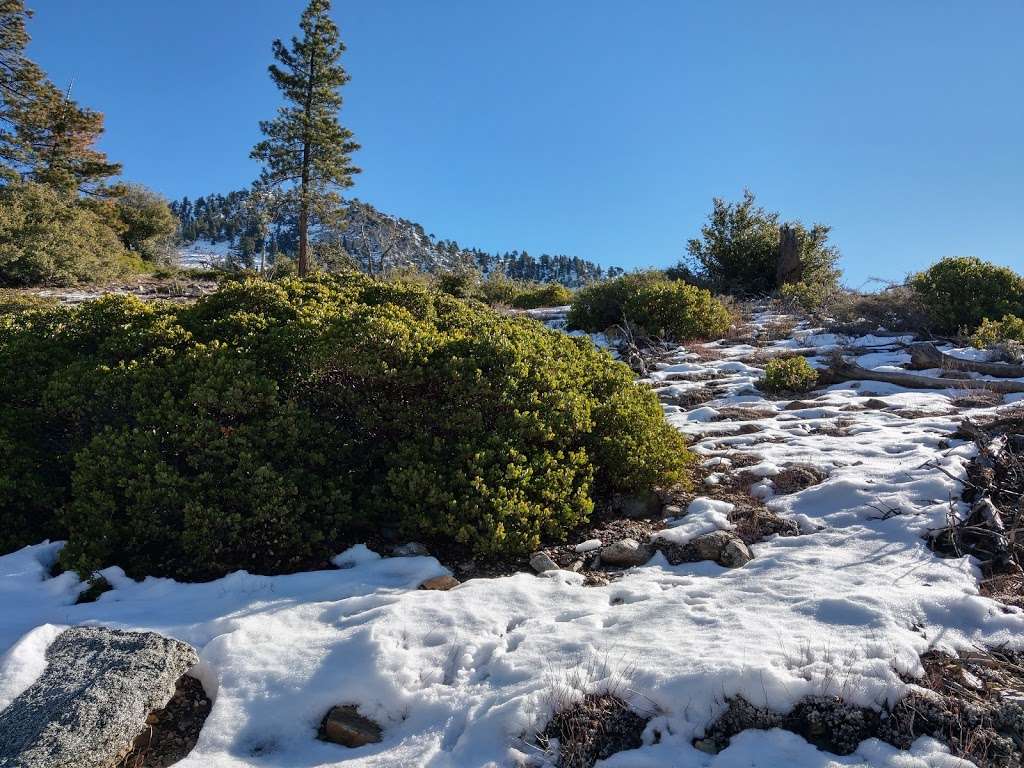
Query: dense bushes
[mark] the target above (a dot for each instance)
(543, 295)
(270, 423)
(652, 304)
(960, 292)
(51, 237)
(46, 237)
(992, 332)
(792, 374)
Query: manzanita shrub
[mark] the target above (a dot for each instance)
(652, 304)
(271, 423)
(960, 292)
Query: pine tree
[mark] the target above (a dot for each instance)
(306, 150)
(44, 136)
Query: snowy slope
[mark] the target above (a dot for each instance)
(463, 678)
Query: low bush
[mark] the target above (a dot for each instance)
(543, 295)
(269, 424)
(792, 374)
(960, 292)
(897, 308)
(992, 332)
(13, 302)
(653, 305)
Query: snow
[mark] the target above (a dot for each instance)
(203, 253)
(464, 678)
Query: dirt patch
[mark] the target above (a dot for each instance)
(976, 398)
(691, 398)
(173, 731)
(796, 477)
(734, 413)
(995, 492)
(971, 702)
(593, 729)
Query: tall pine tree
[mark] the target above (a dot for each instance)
(306, 150)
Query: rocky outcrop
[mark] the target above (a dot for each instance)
(93, 699)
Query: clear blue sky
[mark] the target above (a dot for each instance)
(596, 128)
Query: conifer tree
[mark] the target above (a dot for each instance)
(44, 136)
(306, 150)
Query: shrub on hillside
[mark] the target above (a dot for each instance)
(960, 292)
(47, 237)
(271, 423)
(656, 306)
(792, 374)
(738, 251)
(544, 295)
(992, 332)
(13, 302)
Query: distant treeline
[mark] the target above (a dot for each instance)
(373, 240)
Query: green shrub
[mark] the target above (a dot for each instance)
(793, 374)
(46, 237)
(959, 292)
(13, 302)
(810, 296)
(269, 424)
(992, 332)
(545, 295)
(647, 301)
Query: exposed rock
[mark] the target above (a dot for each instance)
(625, 553)
(749, 429)
(796, 477)
(344, 725)
(440, 583)
(673, 510)
(874, 404)
(541, 562)
(93, 700)
(724, 547)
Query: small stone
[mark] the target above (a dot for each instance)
(638, 505)
(873, 403)
(735, 554)
(344, 725)
(706, 745)
(625, 553)
(440, 583)
(673, 510)
(541, 562)
(589, 545)
(723, 547)
(749, 429)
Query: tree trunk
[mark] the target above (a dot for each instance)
(927, 355)
(788, 268)
(843, 370)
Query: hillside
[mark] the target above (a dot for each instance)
(223, 227)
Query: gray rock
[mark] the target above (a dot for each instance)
(725, 548)
(344, 725)
(540, 562)
(625, 553)
(93, 699)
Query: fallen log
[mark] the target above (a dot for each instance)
(844, 370)
(927, 355)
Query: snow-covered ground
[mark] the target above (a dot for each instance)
(465, 677)
(203, 253)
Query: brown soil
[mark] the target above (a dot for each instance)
(171, 732)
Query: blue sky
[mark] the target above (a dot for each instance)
(596, 128)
